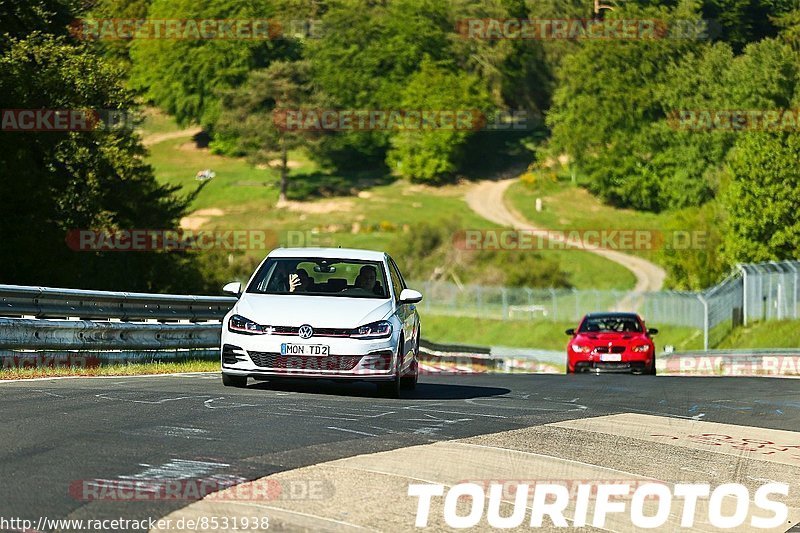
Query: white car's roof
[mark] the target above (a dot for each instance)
(332, 253)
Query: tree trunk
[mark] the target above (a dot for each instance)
(284, 171)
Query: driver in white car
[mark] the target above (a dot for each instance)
(284, 279)
(367, 280)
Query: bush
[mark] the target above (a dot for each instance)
(425, 248)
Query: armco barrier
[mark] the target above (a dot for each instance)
(46, 302)
(31, 334)
(434, 347)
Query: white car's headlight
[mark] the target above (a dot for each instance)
(376, 330)
(240, 324)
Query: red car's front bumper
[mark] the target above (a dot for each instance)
(628, 361)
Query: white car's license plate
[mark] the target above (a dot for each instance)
(305, 349)
(611, 357)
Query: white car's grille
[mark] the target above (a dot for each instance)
(304, 362)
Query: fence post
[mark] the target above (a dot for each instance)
(768, 301)
(744, 294)
(529, 294)
(555, 304)
(705, 319)
(794, 289)
(577, 307)
(504, 296)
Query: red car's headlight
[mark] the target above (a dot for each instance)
(641, 348)
(579, 348)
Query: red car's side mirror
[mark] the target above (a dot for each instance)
(570, 332)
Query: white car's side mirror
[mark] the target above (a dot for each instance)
(410, 296)
(233, 287)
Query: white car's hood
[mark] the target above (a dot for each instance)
(318, 311)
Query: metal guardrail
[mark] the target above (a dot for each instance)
(28, 334)
(45, 302)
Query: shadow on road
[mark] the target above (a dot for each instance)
(424, 391)
(442, 391)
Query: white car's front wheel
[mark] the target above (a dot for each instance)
(391, 389)
(410, 382)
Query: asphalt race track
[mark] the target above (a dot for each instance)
(57, 433)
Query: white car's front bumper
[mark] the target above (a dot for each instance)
(260, 356)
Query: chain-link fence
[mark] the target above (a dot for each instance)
(765, 291)
(556, 305)
(771, 291)
(722, 309)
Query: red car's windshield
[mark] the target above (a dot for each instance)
(611, 323)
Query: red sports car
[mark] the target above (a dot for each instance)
(611, 342)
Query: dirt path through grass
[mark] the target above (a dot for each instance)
(487, 199)
(155, 138)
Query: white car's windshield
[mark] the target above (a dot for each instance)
(321, 277)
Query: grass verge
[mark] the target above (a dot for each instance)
(132, 369)
(773, 334)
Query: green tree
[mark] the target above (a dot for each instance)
(692, 247)
(740, 22)
(254, 119)
(634, 151)
(763, 198)
(20, 19)
(117, 49)
(789, 24)
(55, 182)
(434, 155)
(185, 76)
(366, 54)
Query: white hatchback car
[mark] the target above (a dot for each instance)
(323, 313)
